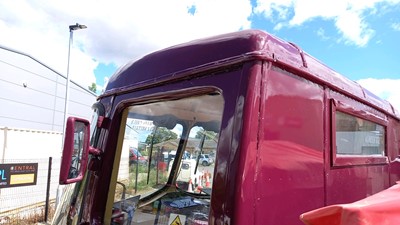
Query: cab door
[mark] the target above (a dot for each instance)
(191, 109)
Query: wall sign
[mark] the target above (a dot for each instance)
(18, 174)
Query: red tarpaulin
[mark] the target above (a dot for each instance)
(382, 208)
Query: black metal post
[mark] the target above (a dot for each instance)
(137, 171)
(46, 210)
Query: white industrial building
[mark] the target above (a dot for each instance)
(32, 102)
(32, 95)
(32, 98)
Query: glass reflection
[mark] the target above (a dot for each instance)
(79, 135)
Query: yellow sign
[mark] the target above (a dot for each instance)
(176, 219)
(22, 178)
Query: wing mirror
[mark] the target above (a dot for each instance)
(76, 150)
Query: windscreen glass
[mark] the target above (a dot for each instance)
(168, 150)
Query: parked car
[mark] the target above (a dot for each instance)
(136, 157)
(205, 160)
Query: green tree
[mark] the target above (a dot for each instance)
(93, 88)
(162, 134)
(209, 134)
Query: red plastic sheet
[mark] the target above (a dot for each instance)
(382, 208)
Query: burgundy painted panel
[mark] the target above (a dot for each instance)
(393, 144)
(290, 171)
(245, 185)
(352, 183)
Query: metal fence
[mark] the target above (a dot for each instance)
(31, 200)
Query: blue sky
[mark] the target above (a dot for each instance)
(359, 39)
(378, 58)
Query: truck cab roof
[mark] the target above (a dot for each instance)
(193, 58)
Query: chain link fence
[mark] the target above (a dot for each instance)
(33, 203)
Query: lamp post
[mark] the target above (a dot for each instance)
(72, 28)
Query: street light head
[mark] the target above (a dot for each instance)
(77, 26)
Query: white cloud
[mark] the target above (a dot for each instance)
(348, 16)
(321, 33)
(117, 32)
(395, 26)
(279, 26)
(387, 89)
(353, 28)
(275, 11)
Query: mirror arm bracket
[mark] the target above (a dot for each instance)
(94, 151)
(103, 122)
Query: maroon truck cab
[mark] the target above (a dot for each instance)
(287, 135)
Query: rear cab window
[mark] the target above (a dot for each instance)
(162, 176)
(359, 135)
